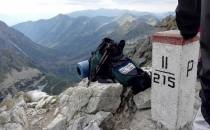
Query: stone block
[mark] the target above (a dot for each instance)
(174, 70)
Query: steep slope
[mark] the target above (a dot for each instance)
(26, 65)
(57, 30)
(17, 71)
(132, 27)
(14, 38)
(168, 23)
(141, 50)
(43, 30)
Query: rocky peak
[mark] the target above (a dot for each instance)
(2, 25)
(94, 107)
(61, 17)
(169, 23)
(126, 18)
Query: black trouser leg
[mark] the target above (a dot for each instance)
(205, 80)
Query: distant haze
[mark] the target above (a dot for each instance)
(16, 11)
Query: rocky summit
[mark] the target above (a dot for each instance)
(94, 107)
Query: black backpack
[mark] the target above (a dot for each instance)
(108, 64)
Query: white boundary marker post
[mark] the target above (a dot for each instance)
(174, 73)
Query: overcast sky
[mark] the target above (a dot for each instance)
(13, 11)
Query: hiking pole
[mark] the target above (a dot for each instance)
(102, 61)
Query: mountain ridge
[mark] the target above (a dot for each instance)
(17, 71)
(81, 27)
(20, 57)
(116, 12)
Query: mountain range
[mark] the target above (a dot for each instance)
(116, 12)
(77, 37)
(53, 46)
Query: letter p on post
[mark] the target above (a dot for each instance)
(174, 73)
